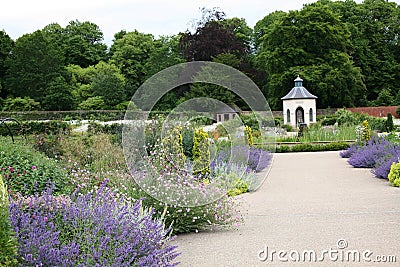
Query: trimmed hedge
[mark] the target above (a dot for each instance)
(35, 127)
(308, 147)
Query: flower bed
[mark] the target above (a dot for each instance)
(377, 153)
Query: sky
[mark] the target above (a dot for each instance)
(158, 17)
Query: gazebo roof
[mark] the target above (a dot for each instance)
(298, 91)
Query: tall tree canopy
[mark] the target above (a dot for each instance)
(130, 54)
(6, 46)
(34, 63)
(313, 42)
(83, 44)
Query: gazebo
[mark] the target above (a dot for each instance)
(299, 105)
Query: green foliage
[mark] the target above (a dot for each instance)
(97, 153)
(59, 95)
(288, 43)
(27, 171)
(35, 127)
(240, 187)
(201, 152)
(109, 84)
(130, 54)
(345, 117)
(21, 104)
(33, 64)
(6, 46)
(389, 122)
(82, 44)
(187, 142)
(287, 127)
(308, 147)
(398, 111)
(366, 131)
(385, 98)
(173, 148)
(394, 174)
(93, 103)
(8, 243)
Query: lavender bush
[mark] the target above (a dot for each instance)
(256, 159)
(94, 229)
(378, 153)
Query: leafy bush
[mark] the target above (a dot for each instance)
(26, 170)
(309, 147)
(94, 229)
(96, 153)
(187, 142)
(366, 132)
(8, 243)
(20, 104)
(389, 123)
(240, 188)
(201, 152)
(249, 135)
(35, 127)
(93, 103)
(394, 174)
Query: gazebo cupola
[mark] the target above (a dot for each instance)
(299, 105)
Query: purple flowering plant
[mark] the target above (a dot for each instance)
(378, 154)
(93, 229)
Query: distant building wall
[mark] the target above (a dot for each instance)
(376, 111)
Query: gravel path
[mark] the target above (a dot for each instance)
(310, 202)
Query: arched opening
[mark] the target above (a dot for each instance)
(299, 115)
(288, 115)
(311, 115)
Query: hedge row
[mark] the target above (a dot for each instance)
(34, 127)
(335, 146)
(103, 115)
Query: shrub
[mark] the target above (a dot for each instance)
(394, 175)
(94, 229)
(93, 103)
(240, 188)
(26, 170)
(173, 148)
(389, 123)
(36, 127)
(8, 243)
(249, 135)
(366, 131)
(20, 104)
(187, 142)
(201, 152)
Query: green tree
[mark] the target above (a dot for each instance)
(83, 44)
(20, 104)
(389, 123)
(315, 42)
(131, 52)
(109, 83)
(33, 64)
(165, 54)
(6, 46)
(93, 103)
(59, 95)
(374, 41)
(384, 98)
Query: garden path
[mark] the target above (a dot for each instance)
(309, 201)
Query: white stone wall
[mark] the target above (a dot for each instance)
(293, 104)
